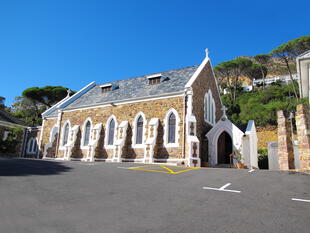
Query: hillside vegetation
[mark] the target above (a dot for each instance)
(261, 104)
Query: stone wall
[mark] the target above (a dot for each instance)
(46, 129)
(285, 146)
(123, 112)
(303, 133)
(202, 84)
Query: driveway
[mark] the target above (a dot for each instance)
(39, 196)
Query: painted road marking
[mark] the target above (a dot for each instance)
(303, 200)
(223, 188)
(161, 168)
(252, 170)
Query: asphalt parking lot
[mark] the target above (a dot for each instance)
(39, 196)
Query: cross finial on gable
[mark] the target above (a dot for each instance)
(68, 92)
(207, 52)
(224, 109)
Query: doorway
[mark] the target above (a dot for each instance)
(224, 148)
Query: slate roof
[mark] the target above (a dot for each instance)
(138, 87)
(6, 117)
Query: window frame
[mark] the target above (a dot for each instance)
(166, 129)
(107, 130)
(209, 109)
(83, 133)
(32, 146)
(62, 146)
(134, 131)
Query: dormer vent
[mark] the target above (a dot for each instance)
(154, 79)
(106, 88)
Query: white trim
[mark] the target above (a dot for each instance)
(197, 72)
(105, 85)
(83, 133)
(34, 146)
(62, 146)
(166, 128)
(154, 75)
(128, 101)
(51, 133)
(107, 160)
(209, 108)
(133, 160)
(134, 131)
(68, 100)
(107, 129)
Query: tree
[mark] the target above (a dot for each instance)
(28, 110)
(256, 71)
(2, 106)
(47, 95)
(263, 60)
(288, 51)
(232, 71)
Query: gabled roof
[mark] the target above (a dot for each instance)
(304, 55)
(172, 81)
(7, 118)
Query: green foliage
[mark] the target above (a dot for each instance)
(261, 105)
(262, 151)
(14, 137)
(47, 95)
(2, 99)
(256, 71)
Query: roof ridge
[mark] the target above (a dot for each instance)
(187, 67)
(11, 118)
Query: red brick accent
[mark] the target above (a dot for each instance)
(303, 133)
(285, 145)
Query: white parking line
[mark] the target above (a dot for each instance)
(252, 170)
(223, 189)
(303, 200)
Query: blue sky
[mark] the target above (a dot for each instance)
(71, 43)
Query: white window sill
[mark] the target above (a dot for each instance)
(171, 145)
(109, 147)
(138, 146)
(84, 147)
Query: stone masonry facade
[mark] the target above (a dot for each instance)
(180, 92)
(285, 144)
(201, 85)
(303, 134)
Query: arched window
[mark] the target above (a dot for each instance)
(86, 133)
(171, 128)
(65, 135)
(32, 146)
(209, 108)
(111, 132)
(139, 130)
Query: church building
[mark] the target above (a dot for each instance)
(158, 118)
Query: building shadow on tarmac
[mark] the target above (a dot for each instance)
(27, 167)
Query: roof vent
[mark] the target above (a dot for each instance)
(106, 88)
(154, 79)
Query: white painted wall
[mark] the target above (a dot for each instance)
(223, 125)
(250, 146)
